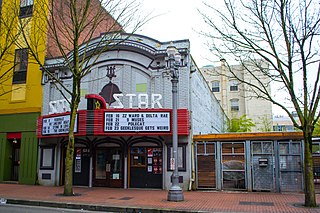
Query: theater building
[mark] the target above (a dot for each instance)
(124, 122)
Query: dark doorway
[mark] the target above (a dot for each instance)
(81, 166)
(108, 167)
(15, 159)
(146, 167)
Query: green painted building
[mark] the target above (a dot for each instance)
(18, 148)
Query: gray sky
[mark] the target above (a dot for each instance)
(179, 19)
(175, 20)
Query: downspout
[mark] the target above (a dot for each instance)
(192, 185)
(192, 173)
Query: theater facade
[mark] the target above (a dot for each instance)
(124, 124)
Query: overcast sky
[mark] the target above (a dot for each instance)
(176, 20)
(179, 19)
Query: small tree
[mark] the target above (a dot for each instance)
(266, 124)
(286, 34)
(241, 124)
(316, 131)
(71, 25)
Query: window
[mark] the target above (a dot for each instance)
(138, 157)
(21, 65)
(181, 158)
(215, 86)
(233, 85)
(26, 7)
(234, 104)
(47, 157)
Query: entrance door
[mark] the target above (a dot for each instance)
(81, 167)
(146, 167)
(290, 161)
(15, 160)
(233, 166)
(108, 167)
(206, 165)
(262, 165)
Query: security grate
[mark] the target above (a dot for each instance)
(262, 165)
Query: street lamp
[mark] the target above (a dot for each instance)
(174, 58)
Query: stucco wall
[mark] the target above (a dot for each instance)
(207, 114)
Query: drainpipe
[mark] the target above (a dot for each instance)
(125, 178)
(192, 175)
(90, 172)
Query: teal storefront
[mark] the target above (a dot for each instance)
(18, 148)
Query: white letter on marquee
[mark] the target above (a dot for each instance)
(155, 100)
(53, 107)
(130, 99)
(145, 102)
(120, 105)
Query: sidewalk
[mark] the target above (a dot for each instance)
(136, 200)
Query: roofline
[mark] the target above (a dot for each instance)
(249, 136)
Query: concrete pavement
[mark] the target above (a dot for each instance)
(142, 200)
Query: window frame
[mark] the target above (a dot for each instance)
(215, 86)
(234, 85)
(26, 8)
(47, 167)
(182, 168)
(234, 108)
(18, 71)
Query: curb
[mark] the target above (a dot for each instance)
(95, 207)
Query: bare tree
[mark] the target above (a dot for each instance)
(71, 25)
(9, 35)
(286, 34)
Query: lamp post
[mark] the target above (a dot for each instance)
(175, 192)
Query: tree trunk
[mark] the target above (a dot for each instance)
(68, 180)
(310, 197)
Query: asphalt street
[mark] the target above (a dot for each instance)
(9, 208)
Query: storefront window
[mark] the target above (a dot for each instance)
(181, 158)
(101, 166)
(138, 157)
(108, 162)
(47, 157)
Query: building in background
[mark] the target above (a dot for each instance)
(282, 123)
(124, 122)
(21, 92)
(237, 99)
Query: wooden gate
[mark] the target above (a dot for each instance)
(206, 165)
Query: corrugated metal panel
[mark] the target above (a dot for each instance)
(183, 122)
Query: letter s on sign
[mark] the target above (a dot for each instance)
(116, 97)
